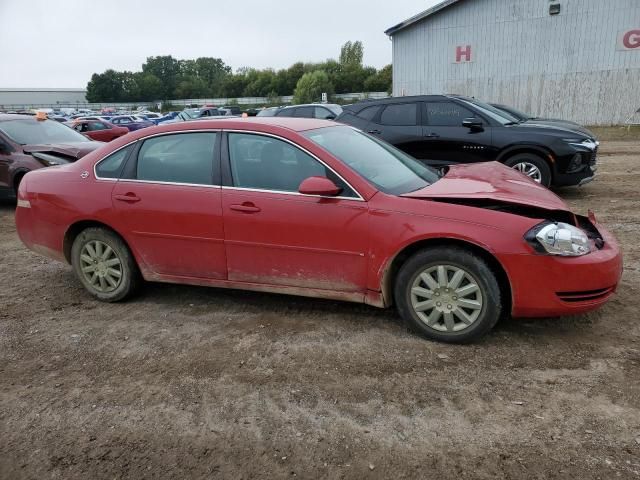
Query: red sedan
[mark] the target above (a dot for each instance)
(100, 130)
(312, 207)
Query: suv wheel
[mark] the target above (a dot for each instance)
(104, 264)
(448, 294)
(531, 165)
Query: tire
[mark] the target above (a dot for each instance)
(16, 182)
(480, 308)
(111, 287)
(527, 160)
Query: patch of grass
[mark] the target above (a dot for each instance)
(620, 132)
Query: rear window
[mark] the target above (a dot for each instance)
(112, 166)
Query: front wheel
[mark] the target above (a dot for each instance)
(448, 294)
(532, 166)
(104, 264)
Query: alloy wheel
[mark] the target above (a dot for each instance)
(100, 266)
(446, 298)
(530, 170)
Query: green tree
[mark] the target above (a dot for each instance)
(167, 70)
(380, 82)
(311, 86)
(151, 87)
(352, 53)
(191, 87)
(105, 87)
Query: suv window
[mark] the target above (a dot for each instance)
(267, 163)
(446, 114)
(369, 112)
(111, 166)
(403, 114)
(178, 158)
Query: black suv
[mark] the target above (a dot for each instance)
(448, 129)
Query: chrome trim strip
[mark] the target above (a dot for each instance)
(253, 132)
(133, 180)
(282, 192)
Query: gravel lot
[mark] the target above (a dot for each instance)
(188, 382)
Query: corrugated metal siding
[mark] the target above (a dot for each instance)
(564, 65)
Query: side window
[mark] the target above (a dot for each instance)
(306, 112)
(93, 126)
(112, 166)
(403, 114)
(368, 113)
(446, 114)
(178, 158)
(324, 113)
(267, 163)
(287, 112)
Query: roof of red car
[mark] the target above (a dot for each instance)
(295, 124)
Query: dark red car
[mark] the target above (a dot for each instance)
(99, 130)
(312, 207)
(27, 143)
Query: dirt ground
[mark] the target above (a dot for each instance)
(187, 382)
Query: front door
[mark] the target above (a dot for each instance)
(277, 236)
(170, 203)
(447, 141)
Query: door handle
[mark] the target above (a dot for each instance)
(129, 197)
(245, 207)
(375, 132)
(432, 135)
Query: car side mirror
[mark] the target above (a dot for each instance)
(319, 186)
(472, 123)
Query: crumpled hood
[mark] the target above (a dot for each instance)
(73, 151)
(490, 181)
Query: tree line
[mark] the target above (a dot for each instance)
(165, 78)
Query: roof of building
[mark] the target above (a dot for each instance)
(79, 90)
(421, 16)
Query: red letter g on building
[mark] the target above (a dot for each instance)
(631, 39)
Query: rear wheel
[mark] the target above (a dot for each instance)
(104, 264)
(448, 294)
(532, 166)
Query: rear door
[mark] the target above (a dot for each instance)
(446, 141)
(169, 200)
(398, 124)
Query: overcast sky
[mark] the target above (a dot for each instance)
(60, 43)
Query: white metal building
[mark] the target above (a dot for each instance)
(42, 96)
(573, 59)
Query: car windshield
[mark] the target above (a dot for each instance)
(29, 131)
(496, 114)
(192, 113)
(514, 112)
(387, 168)
(336, 109)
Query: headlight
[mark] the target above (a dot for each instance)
(559, 239)
(49, 160)
(584, 143)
